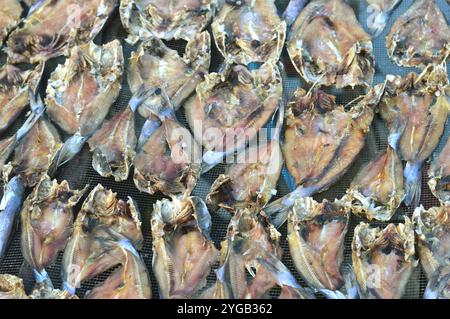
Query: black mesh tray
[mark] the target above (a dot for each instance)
(79, 171)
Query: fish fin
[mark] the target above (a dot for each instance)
(413, 182)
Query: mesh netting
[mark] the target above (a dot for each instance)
(79, 171)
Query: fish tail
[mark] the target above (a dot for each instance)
(150, 126)
(293, 10)
(413, 181)
(68, 287)
(42, 278)
(37, 108)
(279, 271)
(278, 210)
(140, 96)
(68, 151)
(212, 158)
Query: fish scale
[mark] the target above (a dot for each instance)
(79, 173)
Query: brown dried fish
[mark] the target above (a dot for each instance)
(316, 233)
(230, 108)
(15, 85)
(383, 259)
(328, 46)
(55, 26)
(439, 174)
(169, 160)
(252, 180)
(419, 105)
(129, 281)
(89, 251)
(377, 191)
(183, 252)
(249, 31)
(250, 259)
(11, 287)
(35, 152)
(47, 218)
(155, 66)
(10, 13)
(81, 91)
(420, 36)
(173, 19)
(322, 140)
(433, 233)
(378, 14)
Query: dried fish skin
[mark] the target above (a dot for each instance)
(327, 46)
(419, 104)
(11, 287)
(129, 281)
(383, 260)
(10, 13)
(55, 26)
(88, 252)
(229, 108)
(377, 190)
(81, 91)
(14, 92)
(36, 152)
(113, 146)
(432, 229)
(178, 19)
(47, 218)
(439, 174)
(46, 292)
(249, 31)
(420, 36)
(183, 252)
(169, 161)
(156, 66)
(252, 248)
(379, 12)
(316, 233)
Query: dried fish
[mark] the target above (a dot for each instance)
(47, 219)
(113, 145)
(322, 140)
(419, 105)
(129, 281)
(328, 46)
(378, 14)
(10, 13)
(155, 66)
(439, 174)
(420, 36)
(250, 259)
(11, 287)
(316, 233)
(53, 27)
(249, 31)
(81, 92)
(438, 286)
(10, 205)
(176, 19)
(383, 259)
(183, 252)
(252, 180)
(293, 10)
(35, 152)
(433, 237)
(89, 252)
(377, 191)
(47, 292)
(230, 108)
(168, 158)
(15, 85)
